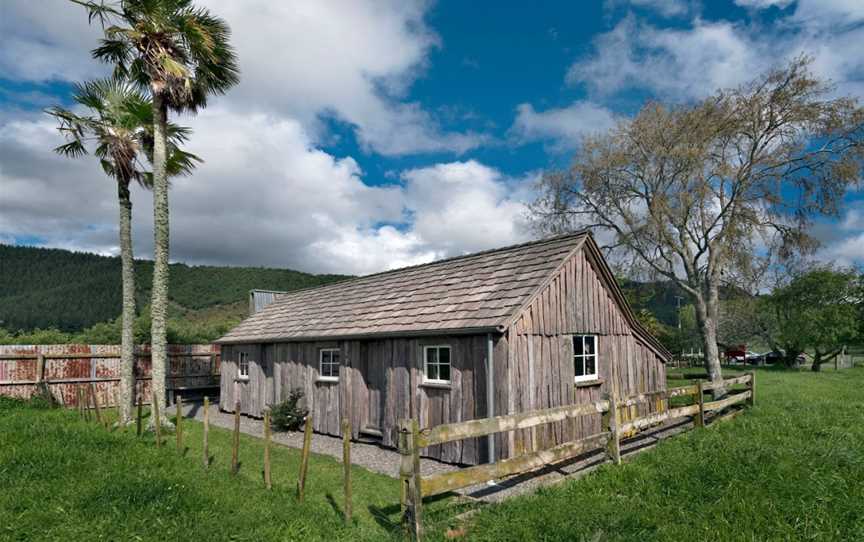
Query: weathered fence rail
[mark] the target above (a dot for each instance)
(63, 369)
(414, 487)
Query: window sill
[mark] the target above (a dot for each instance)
(326, 380)
(241, 379)
(437, 385)
(589, 383)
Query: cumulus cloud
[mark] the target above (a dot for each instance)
(465, 206)
(564, 126)
(264, 196)
(763, 4)
(689, 63)
(352, 60)
(672, 63)
(666, 8)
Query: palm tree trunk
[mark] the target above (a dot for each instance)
(127, 341)
(159, 300)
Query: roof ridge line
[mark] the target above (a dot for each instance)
(538, 242)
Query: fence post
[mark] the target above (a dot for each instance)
(206, 432)
(157, 423)
(610, 424)
(40, 368)
(267, 480)
(139, 414)
(80, 397)
(752, 386)
(346, 460)
(304, 458)
(409, 477)
(96, 404)
(235, 445)
(700, 396)
(178, 404)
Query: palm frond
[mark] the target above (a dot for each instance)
(73, 149)
(99, 11)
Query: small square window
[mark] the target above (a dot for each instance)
(328, 368)
(243, 365)
(436, 364)
(584, 357)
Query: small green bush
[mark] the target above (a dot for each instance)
(289, 414)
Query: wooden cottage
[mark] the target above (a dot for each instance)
(520, 328)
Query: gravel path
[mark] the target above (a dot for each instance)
(371, 456)
(386, 461)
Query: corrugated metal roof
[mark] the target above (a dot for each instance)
(477, 292)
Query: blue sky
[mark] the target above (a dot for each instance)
(370, 134)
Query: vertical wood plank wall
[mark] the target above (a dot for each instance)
(375, 375)
(541, 370)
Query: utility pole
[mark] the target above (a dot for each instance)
(679, 298)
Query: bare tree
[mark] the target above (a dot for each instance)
(706, 194)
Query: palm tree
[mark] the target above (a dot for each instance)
(119, 128)
(181, 54)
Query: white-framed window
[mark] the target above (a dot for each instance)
(436, 364)
(585, 357)
(243, 365)
(328, 365)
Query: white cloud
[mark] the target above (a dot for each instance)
(689, 63)
(846, 252)
(763, 4)
(350, 59)
(564, 126)
(680, 64)
(264, 196)
(463, 207)
(666, 8)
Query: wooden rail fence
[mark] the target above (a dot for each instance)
(63, 369)
(414, 487)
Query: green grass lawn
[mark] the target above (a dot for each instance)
(65, 479)
(790, 469)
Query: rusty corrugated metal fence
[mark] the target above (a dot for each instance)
(64, 368)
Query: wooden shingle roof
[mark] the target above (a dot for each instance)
(474, 293)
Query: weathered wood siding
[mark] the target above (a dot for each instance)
(380, 382)
(540, 359)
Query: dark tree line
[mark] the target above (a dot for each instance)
(71, 291)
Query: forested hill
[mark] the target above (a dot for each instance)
(79, 292)
(69, 291)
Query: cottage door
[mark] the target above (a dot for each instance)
(372, 413)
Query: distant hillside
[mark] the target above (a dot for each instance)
(78, 294)
(70, 291)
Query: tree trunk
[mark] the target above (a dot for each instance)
(159, 299)
(817, 363)
(706, 318)
(127, 341)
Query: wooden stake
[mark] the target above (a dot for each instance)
(752, 386)
(346, 460)
(80, 397)
(178, 402)
(140, 414)
(609, 422)
(700, 396)
(206, 432)
(235, 447)
(85, 402)
(416, 491)
(154, 405)
(96, 404)
(267, 481)
(304, 458)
